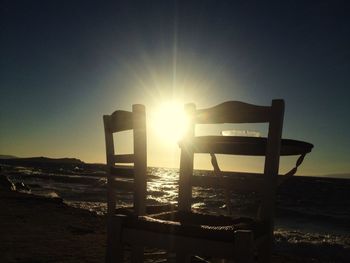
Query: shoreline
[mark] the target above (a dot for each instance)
(46, 229)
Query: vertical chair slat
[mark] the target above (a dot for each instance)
(140, 155)
(186, 165)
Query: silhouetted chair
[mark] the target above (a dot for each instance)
(132, 178)
(242, 238)
(238, 236)
(187, 232)
(127, 178)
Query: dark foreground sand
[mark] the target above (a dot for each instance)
(38, 229)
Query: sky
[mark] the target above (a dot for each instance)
(64, 64)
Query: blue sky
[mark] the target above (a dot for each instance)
(66, 63)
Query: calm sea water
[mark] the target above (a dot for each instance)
(312, 214)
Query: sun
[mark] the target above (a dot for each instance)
(169, 121)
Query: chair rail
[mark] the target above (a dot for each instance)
(243, 113)
(120, 121)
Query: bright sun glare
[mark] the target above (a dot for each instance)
(169, 121)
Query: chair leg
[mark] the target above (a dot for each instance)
(115, 249)
(243, 246)
(170, 257)
(182, 257)
(265, 251)
(137, 255)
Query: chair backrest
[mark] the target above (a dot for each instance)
(120, 121)
(232, 112)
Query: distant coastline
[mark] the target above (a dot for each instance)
(54, 165)
(340, 175)
(71, 163)
(3, 156)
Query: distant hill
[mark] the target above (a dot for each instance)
(54, 165)
(49, 164)
(343, 176)
(2, 156)
(40, 160)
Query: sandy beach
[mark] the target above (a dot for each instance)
(39, 229)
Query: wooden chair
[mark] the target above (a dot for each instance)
(257, 232)
(251, 237)
(187, 232)
(131, 178)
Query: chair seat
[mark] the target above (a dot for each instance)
(253, 146)
(196, 225)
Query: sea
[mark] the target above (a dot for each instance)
(312, 213)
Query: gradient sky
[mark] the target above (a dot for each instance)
(63, 64)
